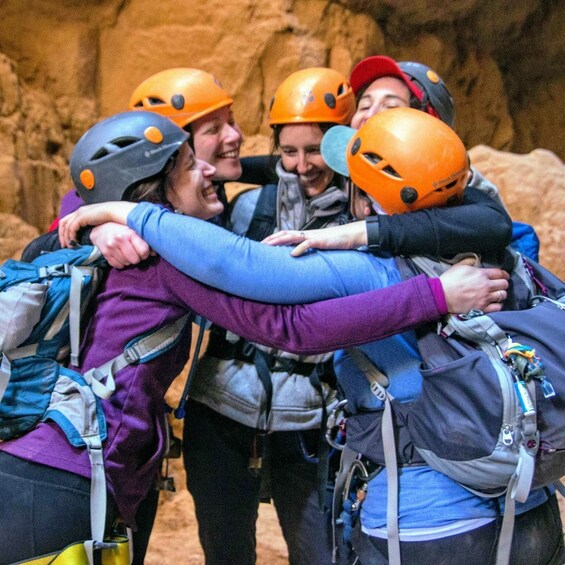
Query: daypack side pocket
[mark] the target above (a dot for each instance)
(27, 396)
(458, 416)
(21, 310)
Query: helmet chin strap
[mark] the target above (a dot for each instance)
(425, 99)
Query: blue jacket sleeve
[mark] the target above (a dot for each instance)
(253, 270)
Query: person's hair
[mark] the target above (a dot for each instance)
(189, 129)
(276, 137)
(153, 189)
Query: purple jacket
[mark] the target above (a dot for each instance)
(135, 300)
(70, 202)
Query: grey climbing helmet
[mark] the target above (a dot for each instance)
(434, 91)
(121, 151)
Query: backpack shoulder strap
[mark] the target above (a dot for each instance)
(264, 217)
(86, 426)
(140, 350)
(378, 382)
(93, 268)
(203, 325)
(432, 267)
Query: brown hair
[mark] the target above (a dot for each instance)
(276, 137)
(154, 189)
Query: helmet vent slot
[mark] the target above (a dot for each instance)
(375, 159)
(154, 101)
(390, 171)
(111, 147)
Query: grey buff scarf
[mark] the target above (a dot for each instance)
(295, 210)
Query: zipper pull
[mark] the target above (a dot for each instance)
(507, 438)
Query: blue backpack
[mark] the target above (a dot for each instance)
(491, 414)
(42, 304)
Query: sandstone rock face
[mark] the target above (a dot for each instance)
(37, 134)
(14, 236)
(533, 188)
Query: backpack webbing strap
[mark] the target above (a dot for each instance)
(140, 351)
(559, 486)
(378, 382)
(203, 325)
(391, 465)
(323, 469)
(263, 221)
(78, 276)
(518, 490)
(261, 361)
(97, 487)
(507, 529)
(4, 374)
(478, 329)
(346, 462)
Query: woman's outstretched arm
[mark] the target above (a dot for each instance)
(247, 268)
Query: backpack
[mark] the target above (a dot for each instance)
(41, 307)
(491, 414)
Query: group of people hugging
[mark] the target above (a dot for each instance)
(295, 274)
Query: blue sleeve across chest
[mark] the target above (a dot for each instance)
(253, 270)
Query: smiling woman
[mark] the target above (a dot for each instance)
(308, 194)
(201, 201)
(383, 93)
(217, 140)
(299, 146)
(196, 101)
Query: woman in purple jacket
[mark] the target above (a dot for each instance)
(45, 481)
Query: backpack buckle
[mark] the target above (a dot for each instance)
(132, 355)
(61, 270)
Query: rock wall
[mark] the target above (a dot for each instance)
(533, 189)
(66, 63)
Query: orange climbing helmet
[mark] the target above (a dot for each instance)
(311, 95)
(403, 158)
(181, 94)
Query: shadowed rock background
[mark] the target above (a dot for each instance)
(64, 64)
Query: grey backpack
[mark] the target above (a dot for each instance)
(491, 414)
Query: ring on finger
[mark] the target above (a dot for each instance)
(302, 235)
(500, 296)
